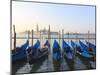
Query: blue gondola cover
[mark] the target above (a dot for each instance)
(83, 46)
(73, 44)
(91, 45)
(56, 51)
(47, 43)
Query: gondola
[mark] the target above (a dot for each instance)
(22, 57)
(86, 48)
(81, 50)
(92, 47)
(19, 57)
(68, 55)
(76, 47)
(56, 56)
(84, 56)
(38, 54)
(21, 48)
(20, 54)
(47, 44)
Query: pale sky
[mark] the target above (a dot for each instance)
(71, 18)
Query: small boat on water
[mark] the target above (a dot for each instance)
(38, 54)
(75, 47)
(88, 48)
(56, 56)
(92, 48)
(19, 55)
(81, 50)
(30, 54)
(91, 45)
(84, 56)
(21, 48)
(68, 54)
(47, 44)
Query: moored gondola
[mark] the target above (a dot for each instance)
(76, 47)
(91, 45)
(21, 48)
(81, 50)
(29, 56)
(86, 48)
(84, 56)
(19, 57)
(91, 48)
(20, 54)
(56, 56)
(38, 54)
(68, 55)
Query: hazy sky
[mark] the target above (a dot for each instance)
(72, 18)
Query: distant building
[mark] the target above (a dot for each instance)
(43, 31)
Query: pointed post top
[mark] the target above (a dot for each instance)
(59, 36)
(59, 32)
(68, 37)
(28, 35)
(88, 31)
(62, 30)
(67, 33)
(88, 35)
(32, 30)
(14, 38)
(32, 40)
(76, 34)
(37, 28)
(49, 27)
(49, 31)
(62, 33)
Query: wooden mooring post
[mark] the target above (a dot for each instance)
(62, 40)
(14, 38)
(32, 37)
(32, 40)
(62, 36)
(49, 37)
(88, 35)
(40, 40)
(68, 37)
(76, 38)
(88, 38)
(59, 37)
(49, 50)
(62, 51)
(28, 59)
(28, 35)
